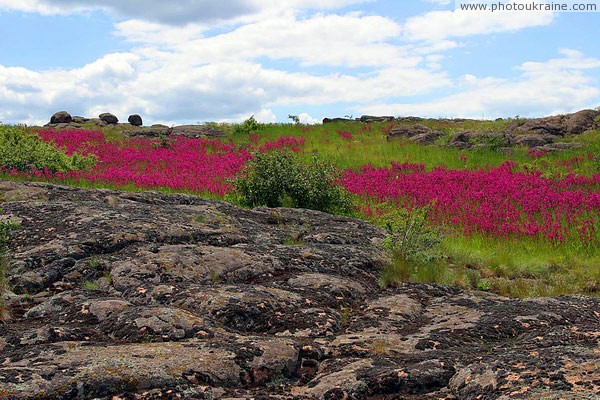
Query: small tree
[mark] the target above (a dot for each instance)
(247, 127)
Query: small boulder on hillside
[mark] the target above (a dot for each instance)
(532, 140)
(98, 122)
(135, 120)
(80, 120)
(580, 121)
(371, 118)
(109, 118)
(540, 126)
(61, 117)
(413, 130)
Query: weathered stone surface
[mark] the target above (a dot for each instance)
(371, 118)
(61, 117)
(532, 140)
(559, 125)
(109, 118)
(148, 296)
(580, 122)
(80, 120)
(135, 120)
(416, 132)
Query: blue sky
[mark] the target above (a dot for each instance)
(198, 60)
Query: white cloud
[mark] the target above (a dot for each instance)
(439, 25)
(180, 12)
(342, 40)
(305, 118)
(554, 86)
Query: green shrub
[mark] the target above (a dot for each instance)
(410, 237)
(26, 151)
(280, 179)
(247, 127)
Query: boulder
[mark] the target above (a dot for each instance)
(580, 121)
(61, 117)
(109, 118)
(411, 130)
(135, 120)
(539, 126)
(531, 140)
(98, 122)
(80, 120)
(426, 138)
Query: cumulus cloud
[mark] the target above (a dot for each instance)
(439, 25)
(177, 74)
(180, 12)
(340, 40)
(557, 85)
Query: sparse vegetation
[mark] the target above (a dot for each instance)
(6, 228)
(90, 285)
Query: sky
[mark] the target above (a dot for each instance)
(193, 61)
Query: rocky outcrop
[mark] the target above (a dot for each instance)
(559, 125)
(148, 296)
(135, 120)
(134, 126)
(417, 133)
(61, 117)
(371, 118)
(109, 118)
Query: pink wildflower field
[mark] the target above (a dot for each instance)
(500, 202)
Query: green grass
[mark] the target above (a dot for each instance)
(371, 147)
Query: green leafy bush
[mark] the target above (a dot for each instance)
(410, 237)
(247, 127)
(280, 179)
(26, 151)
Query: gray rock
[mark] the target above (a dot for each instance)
(580, 121)
(109, 118)
(61, 117)
(371, 118)
(80, 120)
(422, 133)
(135, 120)
(531, 140)
(99, 122)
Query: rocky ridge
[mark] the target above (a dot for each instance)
(539, 133)
(62, 120)
(151, 296)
